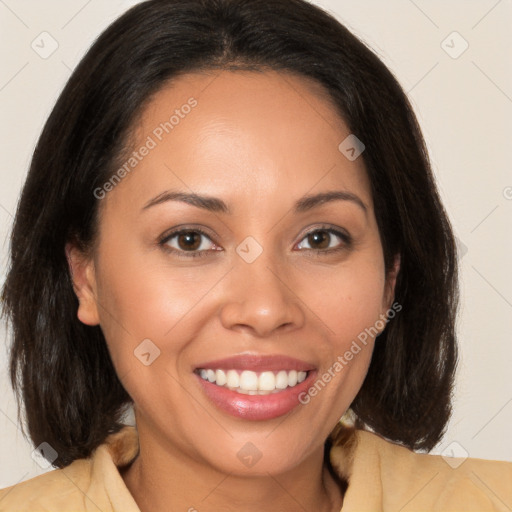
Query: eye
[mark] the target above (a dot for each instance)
(192, 241)
(325, 240)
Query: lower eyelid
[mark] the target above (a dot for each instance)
(345, 241)
(343, 237)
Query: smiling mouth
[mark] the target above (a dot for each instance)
(248, 382)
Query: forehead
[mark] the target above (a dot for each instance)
(226, 132)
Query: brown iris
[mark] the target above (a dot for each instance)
(189, 241)
(319, 239)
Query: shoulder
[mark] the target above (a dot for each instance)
(57, 490)
(87, 484)
(397, 478)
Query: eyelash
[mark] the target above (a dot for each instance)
(344, 237)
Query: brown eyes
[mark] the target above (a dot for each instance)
(190, 241)
(195, 242)
(323, 238)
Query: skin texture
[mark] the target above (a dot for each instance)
(259, 141)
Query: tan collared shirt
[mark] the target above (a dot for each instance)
(382, 476)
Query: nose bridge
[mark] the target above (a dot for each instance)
(259, 296)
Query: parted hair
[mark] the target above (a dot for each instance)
(60, 369)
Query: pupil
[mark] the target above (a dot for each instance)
(320, 239)
(189, 241)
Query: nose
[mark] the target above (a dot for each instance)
(261, 300)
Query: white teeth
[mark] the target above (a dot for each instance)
(250, 383)
(282, 380)
(233, 379)
(267, 381)
(221, 377)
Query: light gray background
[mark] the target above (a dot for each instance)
(464, 106)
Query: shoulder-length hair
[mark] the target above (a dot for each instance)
(61, 369)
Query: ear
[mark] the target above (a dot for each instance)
(391, 277)
(83, 276)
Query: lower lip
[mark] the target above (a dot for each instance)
(256, 407)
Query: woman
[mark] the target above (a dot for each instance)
(230, 222)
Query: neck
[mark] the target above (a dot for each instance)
(162, 479)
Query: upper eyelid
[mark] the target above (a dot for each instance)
(345, 237)
(336, 231)
(186, 229)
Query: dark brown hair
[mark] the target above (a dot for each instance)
(61, 368)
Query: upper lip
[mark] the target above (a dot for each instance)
(257, 363)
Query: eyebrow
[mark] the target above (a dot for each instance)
(309, 202)
(216, 205)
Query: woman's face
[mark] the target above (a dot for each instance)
(279, 270)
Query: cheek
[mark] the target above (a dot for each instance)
(139, 301)
(349, 305)
(349, 301)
